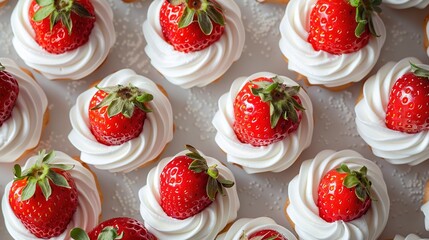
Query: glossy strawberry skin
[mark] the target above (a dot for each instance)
(267, 234)
(252, 118)
(45, 218)
(337, 202)
(188, 39)
(131, 228)
(114, 130)
(183, 191)
(332, 28)
(58, 40)
(9, 91)
(408, 106)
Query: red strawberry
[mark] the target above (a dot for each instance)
(191, 25)
(264, 235)
(117, 114)
(255, 123)
(9, 90)
(44, 197)
(61, 25)
(342, 26)
(408, 107)
(344, 194)
(116, 228)
(188, 185)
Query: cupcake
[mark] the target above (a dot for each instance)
(426, 34)
(425, 207)
(408, 237)
(322, 205)
(142, 118)
(252, 137)
(66, 188)
(263, 227)
(392, 123)
(191, 55)
(82, 43)
(326, 55)
(21, 121)
(188, 196)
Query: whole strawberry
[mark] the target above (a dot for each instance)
(408, 106)
(267, 234)
(61, 25)
(266, 111)
(9, 91)
(117, 114)
(116, 228)
(344, 194)
(44, 197)
(342, 26)
(188, 185)
(191, 25)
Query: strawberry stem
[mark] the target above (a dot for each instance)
(357, 179)
(364, 11)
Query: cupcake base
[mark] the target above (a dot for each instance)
(2, 4)
(425, 35)
(291, 223)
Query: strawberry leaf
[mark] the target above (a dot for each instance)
(198, 166)
(48, 158)
(187, 18)
(204, 22)
(215, 15)
(58, 179)
(64, 167)
(79, 234)
(116, 107)
(80, 10)
(418, 71)
(29, 190)
(45, 187)
(128, 109)
(351, 181)
(225, 183)
(17, 171)
(2, 68)
(176, 2)
(212, 188)
(110, 233)
(357, 179)
(67, 22)
(54, 19)
(44, 3)
(43, 13)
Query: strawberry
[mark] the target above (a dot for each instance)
(116, 228)
(9, 91)
(61, 25)
(344, 194)
(408, 106)
(266, 111)
(44, 197)
(342, 26)
(188, 185)
(117, 114)
(191, 25)
(267, 234)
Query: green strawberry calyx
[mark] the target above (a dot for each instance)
(2, 68)
(108, 233)
(357, 179)
(60, 10)
(281, 99)
(124, 99)
(40, 174)
(216, 183)
(245, 237)
(418, 71)
(364, 12)
(207, 12)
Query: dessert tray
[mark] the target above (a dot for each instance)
(260, 194)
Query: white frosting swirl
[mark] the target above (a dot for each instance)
(157, 129)
(402, 4)
(408, 237)
(250, 226)
(394, 146)
(196, 68)
(23, 129)
(204, 225)
(88, 210)
(272, 158)
(320, 67)
(304, 212)
(74, 64)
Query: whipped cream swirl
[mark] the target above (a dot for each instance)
(74, 64)
(304, 212)
(403, 4)
(195, 68)
(204, 225)
(394, 146)
(320, 67)
(157, 129)
(408, 237)
(88, 210)
(272, 158)
(22, 131)
(250, 226)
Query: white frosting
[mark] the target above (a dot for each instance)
(275, 157)
(204, 225)
(88, 210)
(23, 129)
(250, 226)
(409, 237)
(426, 28)
(74, 64)
(197, 68)
(394, 146)
(323, 68)
(402, 4)
(303, 210)
(157, 129)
